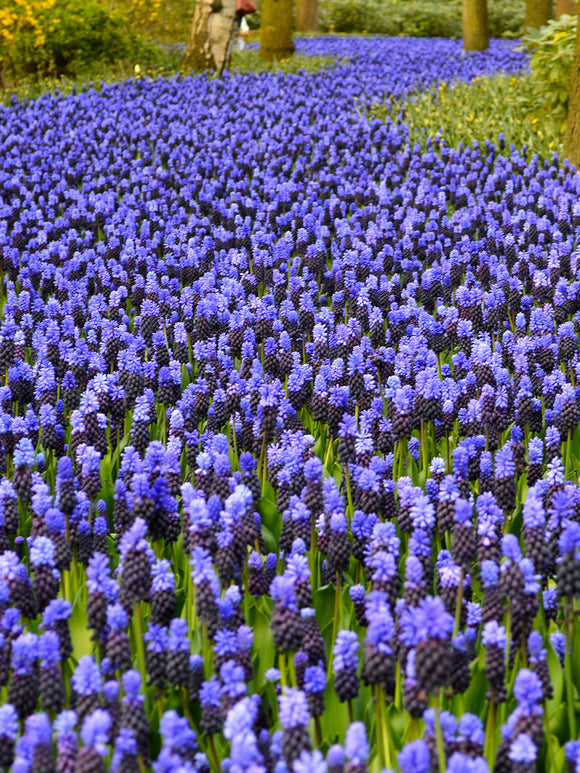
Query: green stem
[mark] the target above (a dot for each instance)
(348, 492)
(489, 750)
(328, 452)
(568, 450)
(439, 736)
(317, 732)
(282, 667)
(568, 672)
(335, 621)
(398, 687)
(139, 641)
(384, 727)
(459, 602)
(350, 711)
(214, 754)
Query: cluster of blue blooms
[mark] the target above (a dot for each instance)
(260, 355)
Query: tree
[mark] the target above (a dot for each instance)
(565, 6)
(211, 35)
(475, 28)
(307, 16)
(538, 13)
(572, 138)
(276, 31)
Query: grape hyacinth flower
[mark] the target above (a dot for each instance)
(294, 718)
(345, 665)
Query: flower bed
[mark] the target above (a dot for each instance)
(288, 453)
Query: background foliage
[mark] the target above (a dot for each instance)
(553, 53)
(69, 37)
(480, 111)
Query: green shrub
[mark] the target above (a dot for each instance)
(422, 18)
(553, 53)
(68, 36)
(480, 110)
(249, 60)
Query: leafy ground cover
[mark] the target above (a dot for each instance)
(487, 107)
(288, 452)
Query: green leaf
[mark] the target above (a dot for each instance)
(334, 722)
(556, 676)
(270, 518)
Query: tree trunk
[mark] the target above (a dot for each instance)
(538, 13)
(572, 139)
(212, 31)
(307, 16)
(565, 6)
(475, 28)
(276, 31)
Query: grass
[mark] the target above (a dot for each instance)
(165, 64)
(480, 110)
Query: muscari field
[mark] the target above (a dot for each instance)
(287, 422)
